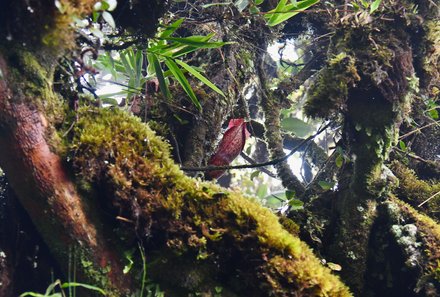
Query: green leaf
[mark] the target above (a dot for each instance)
(326, 185)
(128, 68)
(365, 3)
(262, 191)
(254, 10)
(255, 174)
(108, 18)
(169, 30)
(32, 294)
(402, 145)
(296, 204)
(200, 77)
(433, 113)
(297, 126)
(258, 2)
(139, 60)
(159, 74)
(108, 100)
(290, 194)
(339, 161)
(85, 286)
(198, 41)
(285, 11)
(95, 16)
(180, 77)
(375, 5)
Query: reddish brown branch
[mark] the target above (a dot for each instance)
(44, 189)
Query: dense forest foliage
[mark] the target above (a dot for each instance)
(219, 148)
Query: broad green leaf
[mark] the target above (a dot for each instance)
(258, 2)
(326, 185)
(375, 5)
(159, 74)
(296, 204)
(180, 77)
(108, 18)
(86, 286)
(297, 126)
(200, 77)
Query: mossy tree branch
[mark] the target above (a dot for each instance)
(182, 220)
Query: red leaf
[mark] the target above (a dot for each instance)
(230, 146)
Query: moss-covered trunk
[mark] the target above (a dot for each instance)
(369, 83)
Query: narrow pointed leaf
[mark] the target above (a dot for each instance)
(171, 28)
(138, 68)
(285, 11)
(128, 69)
(159, 74)
(200, 77)
(198, 41)
(375, 5)
(180, 77)
(86, 286)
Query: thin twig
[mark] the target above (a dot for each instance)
(429, 199)
(252, 161)
(415, 157)
(257, 165)
(417, 130)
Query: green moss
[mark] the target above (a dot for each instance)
(415, 191)
(329, 92)
(32, 83)
(198, 218)
(432, 59)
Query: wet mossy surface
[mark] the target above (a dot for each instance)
(415, 191)
(244, 244)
